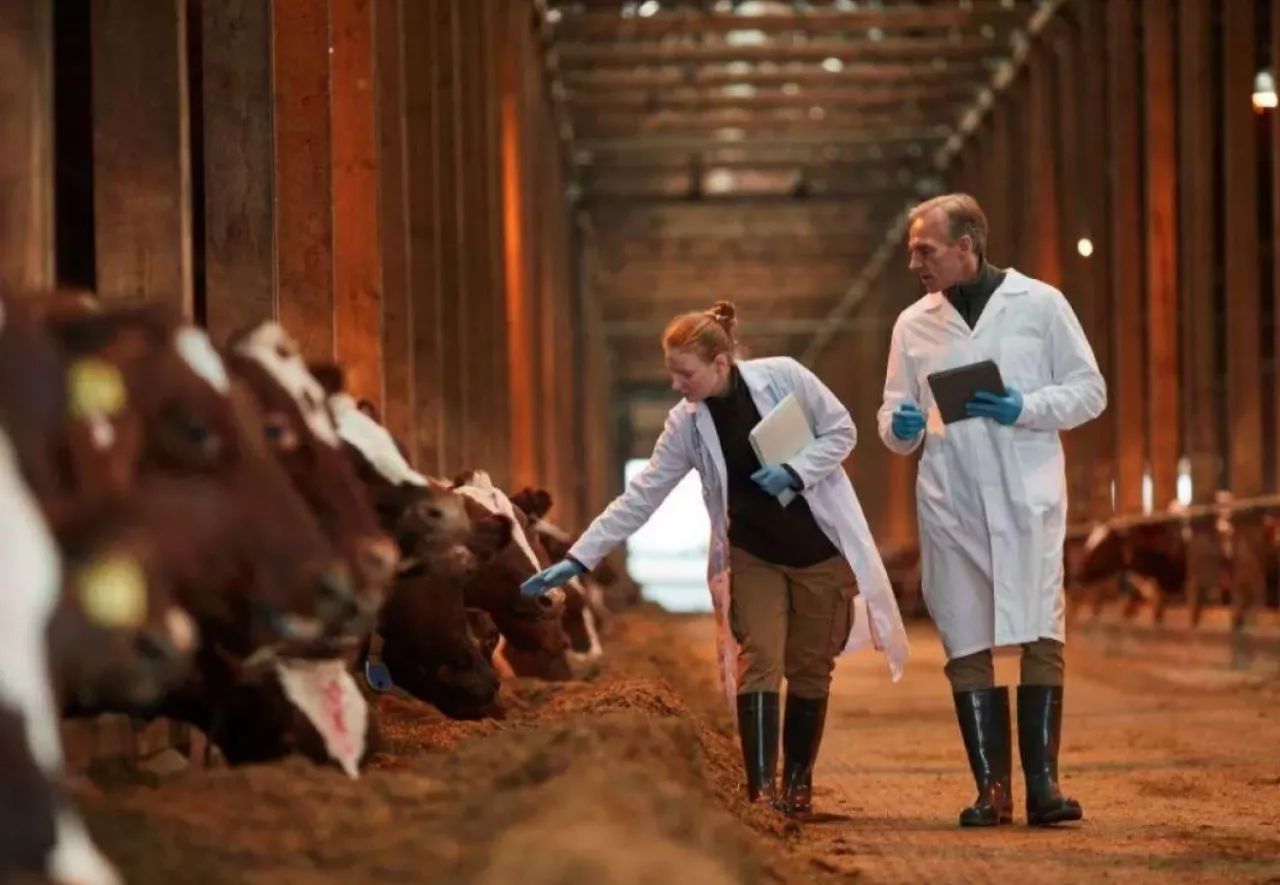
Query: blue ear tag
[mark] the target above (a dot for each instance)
(378, 676)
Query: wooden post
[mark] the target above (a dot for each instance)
(303, 175)
(1127, 388)
(142, 186)
(1095, 224)
(1064, 119)
(357, 258)
(451, 278)
(1274, 378)
(393, 227)
(424, 169)
(1240, 201)
(26, 143)
(497, 393)
(239, 166)
(1164, 419)
(1200, 379)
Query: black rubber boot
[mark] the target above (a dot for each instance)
(984, 724)
(1039, 737)
(758, 730)
(801, 736)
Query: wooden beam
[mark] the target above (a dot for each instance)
(1095, 224)
(1164, 387)
(141, 156)
(26, 144)
(303, 175)
(451, 277)
(494, 296)
(1274, 113)
(357, 256)
(1127, 384)
(477, 395)
(900, 74)
(591, 24)
(942, 95)
(520, 350)
(393, 222)
(921, 137)
(424, 169)
(791, 121)
(620, 54)
(239, 166)
(1196, 192)
(1240, 203)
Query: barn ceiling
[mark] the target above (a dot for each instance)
(761, 151)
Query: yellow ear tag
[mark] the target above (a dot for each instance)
(95, 389)
(113, 592)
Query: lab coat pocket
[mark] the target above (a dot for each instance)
(1022, 361)
(933, 493)
(1040, 467)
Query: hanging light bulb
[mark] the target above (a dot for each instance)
(1264, 90)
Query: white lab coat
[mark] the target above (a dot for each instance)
(690, 442)
(992, 500)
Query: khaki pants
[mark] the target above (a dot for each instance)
(1043, 663)
(789, 622)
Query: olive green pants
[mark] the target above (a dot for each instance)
(1043, 663)
(789, 622)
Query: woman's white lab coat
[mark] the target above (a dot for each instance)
(690, 442)
(991, 499)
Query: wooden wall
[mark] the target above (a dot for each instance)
(384, 177)
(1131, 126)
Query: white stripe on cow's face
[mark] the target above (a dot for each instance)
(270, 347)
(198, 352)
(373, 441)
(480, 488)
(32, 566)
(1097, 536)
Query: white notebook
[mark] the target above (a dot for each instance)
(780, 436)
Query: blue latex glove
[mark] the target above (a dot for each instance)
(908, 421)
(774, 480)
(1001, 409)
(552, 577)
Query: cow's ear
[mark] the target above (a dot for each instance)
(330, 375)
(536, 503)
(463, 478)
(489, 537)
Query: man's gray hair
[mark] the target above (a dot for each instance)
(965, 218)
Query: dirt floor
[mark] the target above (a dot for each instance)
(633, 778)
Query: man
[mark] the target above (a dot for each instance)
(991, 493)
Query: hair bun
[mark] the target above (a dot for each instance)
(724, 313)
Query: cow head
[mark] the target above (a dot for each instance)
(301, 431)
(251, 562)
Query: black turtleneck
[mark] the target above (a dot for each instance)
(970, 297)
(786, 536)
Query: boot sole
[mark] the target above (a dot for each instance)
(1003, 820)
(1058, 816)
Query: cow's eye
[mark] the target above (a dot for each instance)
(280, 433)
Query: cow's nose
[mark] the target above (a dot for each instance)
(551, 603)
(335, 594)
(377, 558)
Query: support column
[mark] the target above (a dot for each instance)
(393, 227)
(1274, 377)
(1095, 224)
(1164, 419)
(496, 45)
(303, 175)
(141, 156)
(26, 144)
(1200, 378)
(357, 254)
(450, 277)
(1127, 387)
(239, 166)
(473, 203)
(1240, 199)
(520, 365)
(424, 168)
(1063, 106)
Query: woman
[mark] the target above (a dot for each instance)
(782, 578)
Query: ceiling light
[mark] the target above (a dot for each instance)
(649, 7)
(833, 64)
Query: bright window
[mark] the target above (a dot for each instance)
(668, 555)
